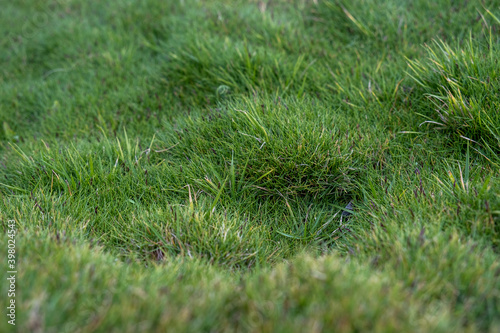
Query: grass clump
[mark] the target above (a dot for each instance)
(275, 166)
(275, 147)
(462, 85)
(282, 298)
(398, 25)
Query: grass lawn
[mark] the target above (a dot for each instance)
(250, 166)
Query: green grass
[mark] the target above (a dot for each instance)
(460, 83)
(185, 166)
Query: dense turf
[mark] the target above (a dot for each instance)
(185, 165)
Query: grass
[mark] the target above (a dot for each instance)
(459, 82)
(186, 166)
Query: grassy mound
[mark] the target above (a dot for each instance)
(279, 163)
(186, 165)
(462, 84)
(274, 147)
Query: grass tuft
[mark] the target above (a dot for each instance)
(460, 83)
(261, 166)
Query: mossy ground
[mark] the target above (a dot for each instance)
(183, 166)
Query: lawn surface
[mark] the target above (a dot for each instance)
(185, 166)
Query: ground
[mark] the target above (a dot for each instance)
(185, 166)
